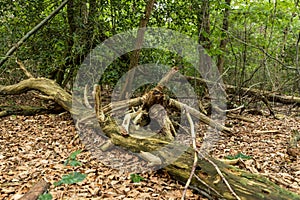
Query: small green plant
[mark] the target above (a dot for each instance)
(46, 196)
(239, 155)
(72, 159)
(136, 178)
(74, 177)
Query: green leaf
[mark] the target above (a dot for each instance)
(72, 178)
(239, 155)
(46, 196)
(74, 163)
(136, 178)
(74, 154)
(72, 159)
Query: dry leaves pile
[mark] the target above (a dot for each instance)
(266, 141)
(36, 147)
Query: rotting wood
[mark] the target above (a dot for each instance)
(28, 110)
(246, 185)
(44, 85)
(38, 189)
(271, 96)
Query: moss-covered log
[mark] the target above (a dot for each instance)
(44, 85)
(28, 110)
(246, 185)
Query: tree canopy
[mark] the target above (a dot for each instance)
(255, 43)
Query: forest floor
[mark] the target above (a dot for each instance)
(36, 147)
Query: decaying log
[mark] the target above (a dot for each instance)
(44, 85)
(28, 110)
(208, 182)
(246, 185)
(38, 189)
(199, 115)
(271, 96)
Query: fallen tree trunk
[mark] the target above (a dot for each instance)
(44, 85)
(271, 96)
(208, 182)
(28, 110)
(244, 184)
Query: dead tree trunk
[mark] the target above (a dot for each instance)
(207, 178)
(271, 96)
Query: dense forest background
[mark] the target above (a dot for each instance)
(253, 43)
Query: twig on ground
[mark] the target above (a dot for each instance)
(206, 185)
(221, 175)
(195, 155)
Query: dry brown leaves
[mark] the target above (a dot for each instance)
(267, 149)
(36, 147)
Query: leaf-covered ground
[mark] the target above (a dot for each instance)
(266, 141)
(36, 147)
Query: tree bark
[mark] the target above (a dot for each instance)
(28, 110)
(245, 185)
(46, 86)
(224, 40)
(38, 189)
(134, 58)
(203, 23)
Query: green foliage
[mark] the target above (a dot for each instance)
(46, 196)
(271, 26)
(239, 155)
(72, 159)
(135, 178)
(71, 178)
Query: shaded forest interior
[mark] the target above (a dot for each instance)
(195, 85)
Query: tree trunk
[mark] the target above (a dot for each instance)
(224, 40)
(134, 59)
(203, 23)
(209, 183)
(36, 191)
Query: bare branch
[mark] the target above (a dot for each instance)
(33, 31)
(27, 73)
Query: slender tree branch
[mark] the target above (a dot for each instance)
(33, 31)
(195, 155)
(259, 48)
(27, 73)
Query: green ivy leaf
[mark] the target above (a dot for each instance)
(46, 196)
(74, 177)
(74, 163)
(239, 155)
(74, 154)
(136, 178)
(72, 159)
